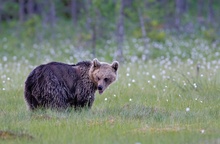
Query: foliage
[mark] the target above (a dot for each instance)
(157, 15)
(31, 26)
(10, 9)
(210, 34)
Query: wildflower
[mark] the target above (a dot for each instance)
(163, 72)
(153, 77)
(4, 58)
(133, 80)
(187, 109)
(129, 84)
(14, 58)
(130, 99)
(127, 74)
(106, 99)
(202, 131)
(195, 86)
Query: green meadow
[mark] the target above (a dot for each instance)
(165, 100)
(168, 85)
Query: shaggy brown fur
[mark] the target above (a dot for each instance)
(60, 86)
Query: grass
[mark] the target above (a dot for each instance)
(150, 103)
(163, 100)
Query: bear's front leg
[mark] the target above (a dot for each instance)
(91, 100)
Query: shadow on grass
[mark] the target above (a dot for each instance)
(134, 111)
(8, 135)
(128, 111)
(143, 112)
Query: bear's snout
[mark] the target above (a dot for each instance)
(100, 88)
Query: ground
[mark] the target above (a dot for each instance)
(150, 103)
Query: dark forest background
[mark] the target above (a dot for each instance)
(90, 24)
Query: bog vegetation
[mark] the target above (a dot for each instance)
(168, 86)
(171, 99)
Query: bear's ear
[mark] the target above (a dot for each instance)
(115, 65)
(96, 63)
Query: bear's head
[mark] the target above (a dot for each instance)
(103, 74)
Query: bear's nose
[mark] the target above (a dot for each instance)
(100, 87)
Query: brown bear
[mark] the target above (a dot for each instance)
(60, 86)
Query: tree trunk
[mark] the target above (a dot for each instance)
(1, 15)
(94, 39)
(42, 5)
(211, 12)
(21, 11)
(94, 25)
(144, 35)
(52, 15)
(88, 15)
(120, 32)
(91, 24)
(200, 9)
(74, 12)
(180, 9)
(30, 8)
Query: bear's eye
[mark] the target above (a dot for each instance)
(98, 78)
(106, 79)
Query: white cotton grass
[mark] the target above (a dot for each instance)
(153, 77)
(195, 85)
(187, 109)
(202, 131)
(4, 58)
(166, 84)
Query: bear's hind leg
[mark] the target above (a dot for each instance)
(31, 101)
